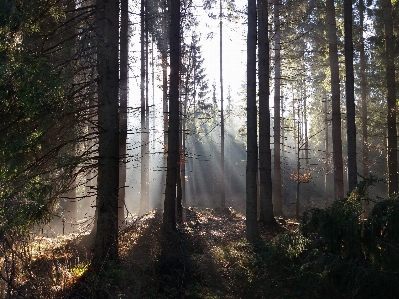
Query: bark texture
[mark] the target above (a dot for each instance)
(335, 101)
(350, 96)
(169, 214)
(278, 208)
(124, 44)
(252, 147)
(265, 166)
(107, 31)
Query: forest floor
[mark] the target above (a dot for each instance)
(207, 257)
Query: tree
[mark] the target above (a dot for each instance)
(40, 110)
(363, 91)
(265, 167)
(350, 96)
(144, 204)
(222, 172)
(107, 32)
(169, 215)
(124, 47)
(392, 144)
(335, 100)
(278, 209)
(252, 146)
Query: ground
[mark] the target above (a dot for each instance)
(207, 257)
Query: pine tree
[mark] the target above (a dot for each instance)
(169, 215)
(107, 30)
(252, 147)
(265, 167)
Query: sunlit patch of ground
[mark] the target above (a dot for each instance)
(207, 257)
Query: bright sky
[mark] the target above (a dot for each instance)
(234, 55)
(234, 50)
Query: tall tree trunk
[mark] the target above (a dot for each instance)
(169, 215)
(265, 164)
(298, 165)
(165, 110)
(278, 207)
(164, 57)
(350, 96)
(179, 194)
(90, 201)
(107, 31)
(335, 101)
(222, 172)
(146, 206)
(252, 147)
(305, 119)
(124, 44)
(363, 91)
(183, 165)
(326, 144)
(392, 144)
(143, 115)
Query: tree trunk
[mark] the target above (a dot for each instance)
(164, 57)
(335, 101)
(107, 31)
(326, 144)
(265, 166)
(391, 100)
(165, 111)
(124, 44)
(305, 119)
(146, 206)
(363, 91)
(252, 148)
(222, 172)
(169, 215)
(298, 166)
(143, 115)
(179, 194)
(350, 97)
(278, 208)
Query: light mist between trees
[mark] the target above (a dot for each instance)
(108, 111)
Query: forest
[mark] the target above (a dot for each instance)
(199, 149)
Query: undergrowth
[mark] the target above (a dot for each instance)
(332, 253)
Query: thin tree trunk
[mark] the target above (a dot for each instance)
(107, 30)
(165, 111)
(278, 208)
(335, 101)
(252, 148)
(298, 168)
(350, 97)
(363, 90)
(305, 119)
(222, 173)
(391, 100)
(124, 44)
(144, 205)
(169, 215)
(164, 56)
(326, 144)
(142, 109)
(265, 166)
(183, 165)
(179, 194)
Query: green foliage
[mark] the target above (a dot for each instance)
(381, 235)
(290, 244)
(348, 255)
(39, 125)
